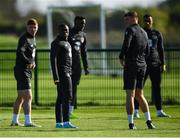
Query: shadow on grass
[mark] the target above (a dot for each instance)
(8, 129)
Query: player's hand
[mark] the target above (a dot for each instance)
(122, 62)
(163, 68)
(31, 66)
(86, 71)
(56, 82)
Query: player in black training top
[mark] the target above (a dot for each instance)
(25, 63)
(132, 58)
(77, 40)
(155, 65)
(61, 63)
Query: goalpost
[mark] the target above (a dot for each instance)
(69, 15)
(64, 10)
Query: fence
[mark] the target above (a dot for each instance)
(102, 87)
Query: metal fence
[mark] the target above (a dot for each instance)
(104, 85)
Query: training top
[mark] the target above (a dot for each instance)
(155, 43)
(26, 51)
(61, 57)
(77, 39)
(135, 46)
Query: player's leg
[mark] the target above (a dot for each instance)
(139, 94)
(67, 98)
(16, 109)
(58, 107)
(21, 84)
(141, 100)
(27, 96)
(136, 109)
(129, 77)
(130, 94)
(144, 106)
(136, 104)
(75, 82)
(74, 95)
(155, 77)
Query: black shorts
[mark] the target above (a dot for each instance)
(76, 76)
(23, 78)
(134, 77)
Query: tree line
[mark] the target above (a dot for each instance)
(166, 19)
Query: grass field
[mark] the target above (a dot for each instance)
(100, 90)
(93, 122)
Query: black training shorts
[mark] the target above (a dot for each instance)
(134, 77)
(23, 78)
(76, 75)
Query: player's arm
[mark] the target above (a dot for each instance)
(126, 43)
(22, 46)
(147, 50)
(84, 56)
(53, 59)
(160, 48)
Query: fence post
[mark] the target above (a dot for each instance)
(36, 80)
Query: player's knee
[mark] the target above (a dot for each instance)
(28, 97)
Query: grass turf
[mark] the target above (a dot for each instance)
(93, 122)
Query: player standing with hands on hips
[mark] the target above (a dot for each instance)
(25, 63)
(132, 58)
(155, 65)
(77, 39)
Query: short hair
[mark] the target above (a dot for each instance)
(131, 14)
(146, 16)
(32, 21)
(79, 18)
(62, 25)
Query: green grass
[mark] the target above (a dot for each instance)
(97, 90)
(93, 122)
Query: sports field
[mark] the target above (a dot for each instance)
(93, 122)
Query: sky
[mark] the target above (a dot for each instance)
(24, 6)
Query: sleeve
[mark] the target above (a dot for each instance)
(53, 59)
(84, 54)
(126, 43)
(147, 50)
(160, 48)
(22, 46)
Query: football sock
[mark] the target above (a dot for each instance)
(28, 119)
(66, 123)
(147, 116)
(130, 119)
(136, 111)
(71, 109)
(15, 118)
(159, 112)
